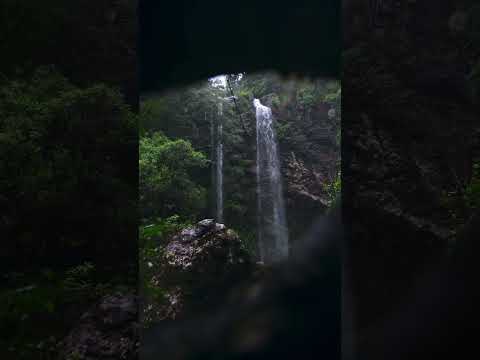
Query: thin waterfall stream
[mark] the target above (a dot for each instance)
(272, 231)
(219, 166)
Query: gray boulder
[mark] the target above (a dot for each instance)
(109, 330)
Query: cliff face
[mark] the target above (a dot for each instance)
(305, 184)
(310, 164)
(409, 140)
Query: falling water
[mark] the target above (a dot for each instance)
(213, 155)
(219, 158)
(272, 225)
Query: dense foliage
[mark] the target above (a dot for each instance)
(61, 145)
(68, 179)
(166, 169)
(68, 205)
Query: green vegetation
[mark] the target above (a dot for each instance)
(65, 190)
(69, 142)
(152, 238)
(166, 169)
(334, 189)
(47, 298)
(62, 145)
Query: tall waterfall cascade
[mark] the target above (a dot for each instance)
(272, 231)
(219, 166)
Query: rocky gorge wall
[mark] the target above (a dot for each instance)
(410, 134)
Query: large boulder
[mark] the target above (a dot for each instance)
(207, 254)
(109, 330)
(197, 268)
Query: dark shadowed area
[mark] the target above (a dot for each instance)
(186, 41)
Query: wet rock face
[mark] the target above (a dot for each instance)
(205, 255)
(107, 331)
(306, 195)
(198, 267)
(305, 186)
(406, 141)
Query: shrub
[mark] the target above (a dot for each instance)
(166, 182)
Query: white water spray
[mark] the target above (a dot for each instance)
(272, 225)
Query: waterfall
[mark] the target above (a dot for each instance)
(272, 231)
(213, 155)
(219, 162)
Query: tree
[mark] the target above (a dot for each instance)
(66, 179)
(167, 168)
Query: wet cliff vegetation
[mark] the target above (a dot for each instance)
(180, 123)
(178, 185)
